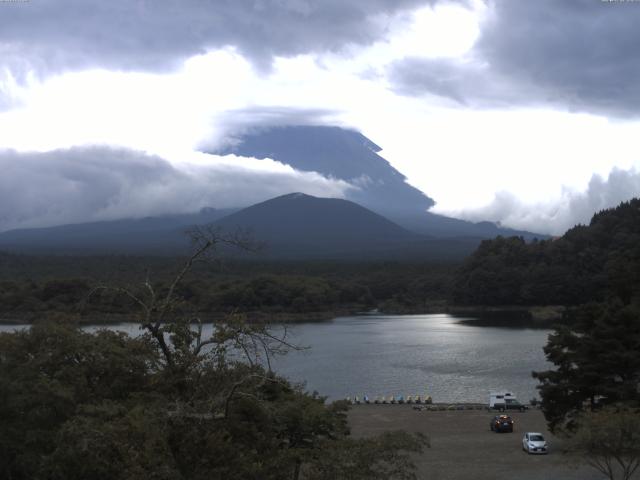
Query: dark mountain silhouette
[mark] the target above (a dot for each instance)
(156, 235)
(294, 226)
(299, 224)
(428, 223)
(338, 153)
(350, 156)
(303, 226)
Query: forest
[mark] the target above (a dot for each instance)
(32, 286)
(588, 263)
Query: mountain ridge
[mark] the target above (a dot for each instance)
(339, 153)
(350, 156)
(294, 226)
(161, 234)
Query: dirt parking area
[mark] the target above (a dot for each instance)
(463, 446)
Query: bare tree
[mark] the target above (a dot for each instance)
(609, 440)
(180, 337)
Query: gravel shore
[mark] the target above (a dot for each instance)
(463, 447)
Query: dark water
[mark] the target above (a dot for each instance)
(410, 355)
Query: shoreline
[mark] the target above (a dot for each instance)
(480, 316)
(29, 318)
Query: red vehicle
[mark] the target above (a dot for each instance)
(501, 423)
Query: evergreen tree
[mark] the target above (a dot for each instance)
(597, 360)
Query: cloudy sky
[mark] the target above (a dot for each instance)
(517, 111)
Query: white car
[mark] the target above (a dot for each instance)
(533, 442)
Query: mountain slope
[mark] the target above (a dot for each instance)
(428, 223)
(350, 156)
(301, 224)
(294, 226)
(154, 235)
(337, 153)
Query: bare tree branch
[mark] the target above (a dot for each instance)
(177, 341)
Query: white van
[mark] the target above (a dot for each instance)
(499, 397)
(504, 400)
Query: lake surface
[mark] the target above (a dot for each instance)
(415, 354)
(409, 355)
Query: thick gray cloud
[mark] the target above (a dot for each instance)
(100, 183)
(468, 83)
(557, 217)
(578, 54)
(155, 34)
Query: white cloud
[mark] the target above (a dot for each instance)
(150, 112)
(557, 216)
(99, 183)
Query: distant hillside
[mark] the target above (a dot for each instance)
(300, 221)
(428, 223)
(294, 226)
(350, 156)
(588, 263)
(302, 226)
(152, 235)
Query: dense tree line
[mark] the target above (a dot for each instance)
(269, 288)
(592, 395)
(588, 263)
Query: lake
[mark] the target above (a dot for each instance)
(409, 355)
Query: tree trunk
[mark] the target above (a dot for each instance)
(296, 470)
